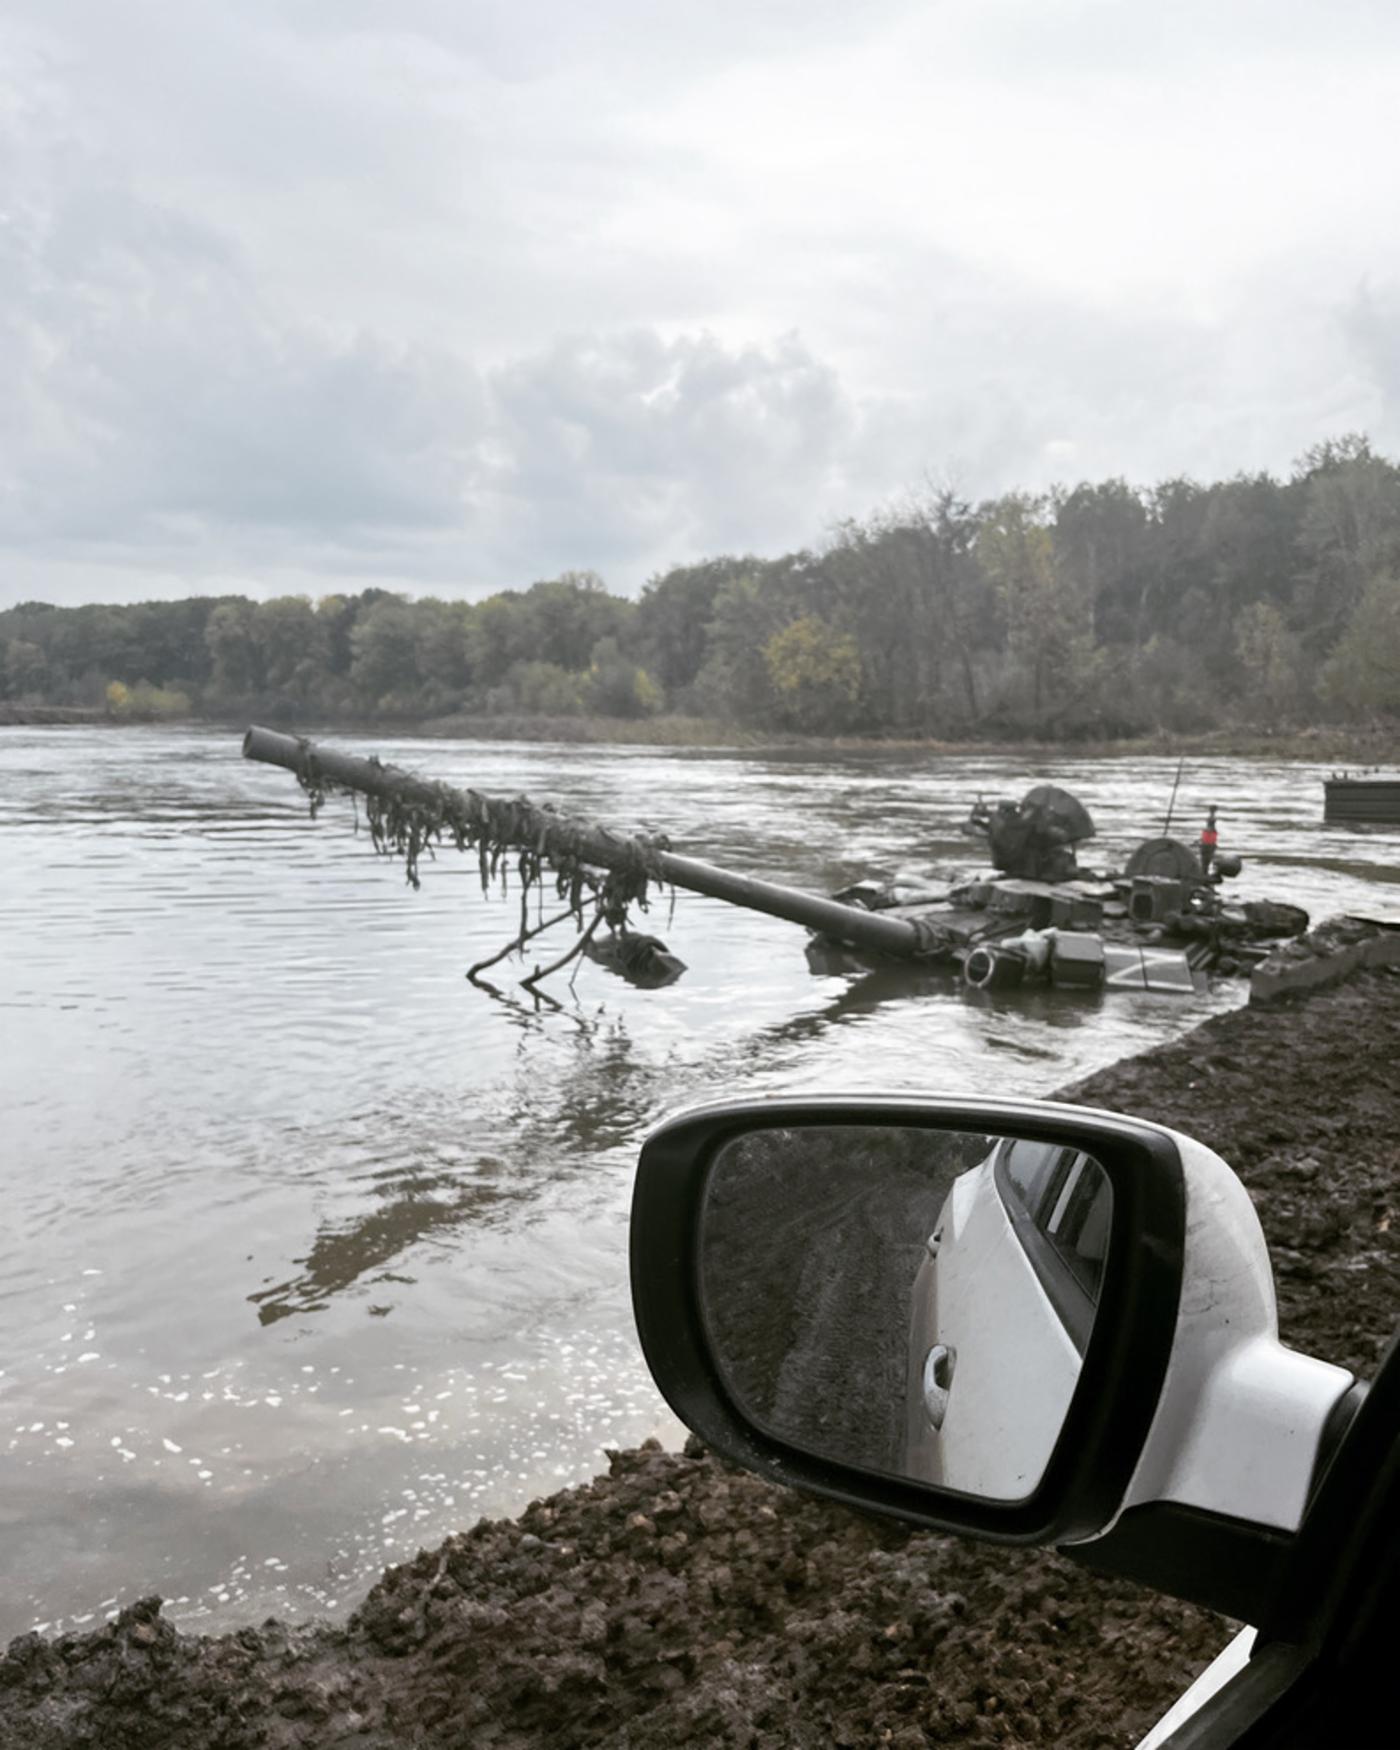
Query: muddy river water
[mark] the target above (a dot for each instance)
(311, 1252)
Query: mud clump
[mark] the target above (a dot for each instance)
(674, 1601)
(679, 1601)
(1302, 1099)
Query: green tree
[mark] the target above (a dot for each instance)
(567, 617)
(615, 686)
(144, 702)
(673, 618)
(235, 653)
(816, 675)
(293, 650)
(542, 687)
(444, 646)
(1167, 689)
(498, 637)
(1349, 531)
(336, 615)
(1102, 536)
(1178, 573)
(1363, 672)
(25, 669)
(734, 681)
(919, 608)
(1270, 657)
(384, 660)
(1049, 615)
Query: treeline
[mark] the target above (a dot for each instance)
(1106, 610)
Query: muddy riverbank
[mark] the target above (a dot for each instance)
(675, 1601)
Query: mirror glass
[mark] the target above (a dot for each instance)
(911, 1301)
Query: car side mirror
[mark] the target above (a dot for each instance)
(1023, 1321)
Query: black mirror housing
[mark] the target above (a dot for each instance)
(1124, 1363)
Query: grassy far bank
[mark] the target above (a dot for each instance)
(1357, 746)
(1376, 745)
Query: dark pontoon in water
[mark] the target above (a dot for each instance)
(1362, 799)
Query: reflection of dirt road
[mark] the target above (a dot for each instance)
(811, 1243)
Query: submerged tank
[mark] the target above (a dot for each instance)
(1035, 915)
(1163, 922)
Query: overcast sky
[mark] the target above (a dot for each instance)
(454, 294)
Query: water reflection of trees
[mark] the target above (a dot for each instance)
(550, 1126)
(415, 1206)
(578, 1095)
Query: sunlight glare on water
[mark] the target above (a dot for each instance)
(313, 1252)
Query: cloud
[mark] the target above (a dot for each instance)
(454, 297)
(633, 445)
(1371, 326)
(155, 396)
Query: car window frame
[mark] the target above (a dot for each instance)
(1073, 1304)
(1074, 1202)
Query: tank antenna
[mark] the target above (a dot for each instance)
(1171, 806)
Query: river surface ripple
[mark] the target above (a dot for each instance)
(313, 1253)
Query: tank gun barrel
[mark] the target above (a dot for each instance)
(872, 931)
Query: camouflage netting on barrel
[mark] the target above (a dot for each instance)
(603, 877)
(548, 851)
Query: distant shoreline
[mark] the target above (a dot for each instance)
(1325, 745)
(29, 716)
(1358, 747)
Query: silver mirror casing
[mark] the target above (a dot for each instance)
(1237, 1429)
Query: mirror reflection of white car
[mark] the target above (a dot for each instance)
(1002, 1306)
